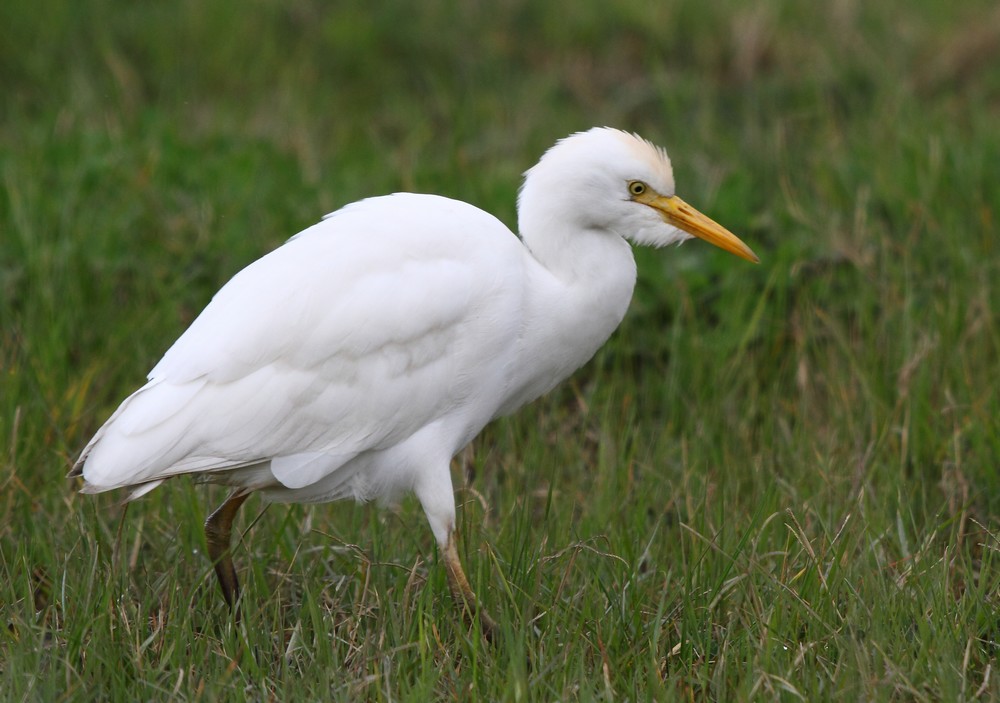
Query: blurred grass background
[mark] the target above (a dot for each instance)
(775, 482)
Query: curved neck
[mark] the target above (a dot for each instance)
(580, 285)
(585, 284)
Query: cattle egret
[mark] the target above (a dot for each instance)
(358, 358)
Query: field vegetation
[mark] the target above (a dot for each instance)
(776, 482)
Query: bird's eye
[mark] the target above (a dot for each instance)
(636, 187)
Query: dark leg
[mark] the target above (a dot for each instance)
(218, 531)
(461, 591)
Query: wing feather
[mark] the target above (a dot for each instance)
(350, 337)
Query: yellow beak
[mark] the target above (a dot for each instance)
(682, 216)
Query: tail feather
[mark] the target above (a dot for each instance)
(137, 490)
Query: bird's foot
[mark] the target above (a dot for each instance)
(463, 594)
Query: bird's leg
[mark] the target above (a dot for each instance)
(438, 500)
(462, 592)
(218, 531)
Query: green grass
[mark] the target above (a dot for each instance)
(774, 482)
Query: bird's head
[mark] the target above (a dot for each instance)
(607, 179)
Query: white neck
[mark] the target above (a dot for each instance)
(580, 285)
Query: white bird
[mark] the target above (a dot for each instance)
(356, 360)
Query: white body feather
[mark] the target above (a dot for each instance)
(359, 357)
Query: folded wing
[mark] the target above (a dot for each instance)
(350, 337)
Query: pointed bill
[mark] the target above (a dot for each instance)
(682, 216)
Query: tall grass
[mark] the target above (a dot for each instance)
(775, 482)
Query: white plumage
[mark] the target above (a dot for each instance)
(358, 358)
(348, 340)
